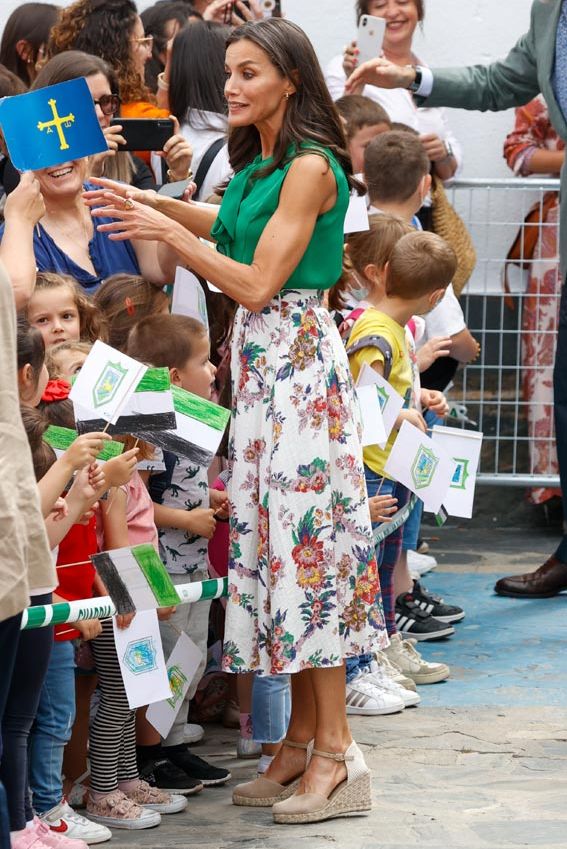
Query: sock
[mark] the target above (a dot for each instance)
(98, 796)
(246, 726)
(264, 763)
(128, 786)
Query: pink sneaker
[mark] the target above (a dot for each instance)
(54, 839)
(28, 839)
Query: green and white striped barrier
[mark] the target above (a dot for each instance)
(102, 607)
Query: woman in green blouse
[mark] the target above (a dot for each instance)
(304, 591)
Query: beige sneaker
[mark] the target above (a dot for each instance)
(411, 663)
(118, 811)
(393, 671)
(156, 799)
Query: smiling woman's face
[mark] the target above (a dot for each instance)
(65, 180)
(401, 16)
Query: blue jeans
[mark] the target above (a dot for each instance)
(52, 728)
(271, 707)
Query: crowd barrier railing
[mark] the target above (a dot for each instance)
(513, 310)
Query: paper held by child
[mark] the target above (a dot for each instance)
(373, 430)
(141, 659)
(61, 438)
(390, 402)
(189, 297)
(464, 447)
(356, 219)
(148, 409)
(135, 578)
(200, 428)
(422, 466)
(106, 382)
(182, 665)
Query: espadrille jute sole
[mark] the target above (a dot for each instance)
(265, 801)
(347, 800)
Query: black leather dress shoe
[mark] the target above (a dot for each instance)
(549, 580)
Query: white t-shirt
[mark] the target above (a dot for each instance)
(204, 129)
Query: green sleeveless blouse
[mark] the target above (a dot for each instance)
(248, 205)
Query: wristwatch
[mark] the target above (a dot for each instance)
(416, 85)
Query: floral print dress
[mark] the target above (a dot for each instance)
(540, 319)
(303, 579)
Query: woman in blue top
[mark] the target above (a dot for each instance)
(304, 591)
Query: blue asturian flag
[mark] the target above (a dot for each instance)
(51, 125)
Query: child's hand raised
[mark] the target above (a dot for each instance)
(435, 401)
(124, 620)
(439, 346)
(119, 470)
(382, 507)
(84, 450)
(201, 522)
(412, 416)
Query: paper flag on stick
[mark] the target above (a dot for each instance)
(373, 431)
(106, 381)
(189, 297)
(421, 465)
(149, 408)
(61, 438)
(142, 664)
(51, 125)
(135, 578)
(200, 428)
(390, 401)
(182, 665)
(464, 447)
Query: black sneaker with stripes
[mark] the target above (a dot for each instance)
(435, 606)
(412, 621)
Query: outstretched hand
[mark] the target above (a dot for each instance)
(134, 220)
(382, 73)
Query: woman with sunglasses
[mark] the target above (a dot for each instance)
(113, 30)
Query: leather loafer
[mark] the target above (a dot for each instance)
(549, 580)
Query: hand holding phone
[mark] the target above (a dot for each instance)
(144, 133)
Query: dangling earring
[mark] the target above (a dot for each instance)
(286, 95)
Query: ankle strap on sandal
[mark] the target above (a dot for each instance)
(292, 745)
(333, 756)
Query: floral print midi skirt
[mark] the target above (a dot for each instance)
(303, 579)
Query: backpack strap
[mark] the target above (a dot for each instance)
(375, 342)
(206, 162)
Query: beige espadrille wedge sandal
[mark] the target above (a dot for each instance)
(351, 797)
(262, 792)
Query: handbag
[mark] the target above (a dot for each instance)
(523, 247)
(448, 224)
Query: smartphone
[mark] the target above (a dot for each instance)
(370, 37)
(231, 9)
(174, 190)
(144, 133)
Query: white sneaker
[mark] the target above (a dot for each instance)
(248, 749)
(380, 678)
(62, 819)
(408, 659)
(394, 672)
(193, 733)
(419, 564)
(363, 698)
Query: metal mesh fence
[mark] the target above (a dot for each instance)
(512, 309)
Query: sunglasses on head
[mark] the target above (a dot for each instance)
(109, 104)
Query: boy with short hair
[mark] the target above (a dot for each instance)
(364, 119)
(185, 510)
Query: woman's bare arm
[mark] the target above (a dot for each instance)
(308, 191)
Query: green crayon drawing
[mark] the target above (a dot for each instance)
(108, 384)
(461, 474)
(424, 467)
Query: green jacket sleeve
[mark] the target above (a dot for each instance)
(510, 82)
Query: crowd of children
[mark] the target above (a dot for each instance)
(77, 761)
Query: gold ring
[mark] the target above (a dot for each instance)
(128, 203)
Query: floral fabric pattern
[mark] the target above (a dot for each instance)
(540, 320)
(303, 580)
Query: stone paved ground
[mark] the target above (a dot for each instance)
(482, 764)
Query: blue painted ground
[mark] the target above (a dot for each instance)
(506, 652)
